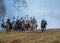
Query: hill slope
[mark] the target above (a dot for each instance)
(50, 36)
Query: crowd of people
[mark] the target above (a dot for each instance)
(21, 24)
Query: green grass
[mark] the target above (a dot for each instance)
(49, 36)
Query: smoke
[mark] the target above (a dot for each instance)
(15, 8)
(2, 9)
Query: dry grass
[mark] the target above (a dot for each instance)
(50, 36)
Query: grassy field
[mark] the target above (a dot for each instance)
(49, 36)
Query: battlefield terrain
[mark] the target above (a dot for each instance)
(49, 36)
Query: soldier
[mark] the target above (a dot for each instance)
(43, 25)
(10, 24)
(3, 24)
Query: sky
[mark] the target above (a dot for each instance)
(46, 9)
(41, 9)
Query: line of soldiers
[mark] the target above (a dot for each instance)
(22, 24)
